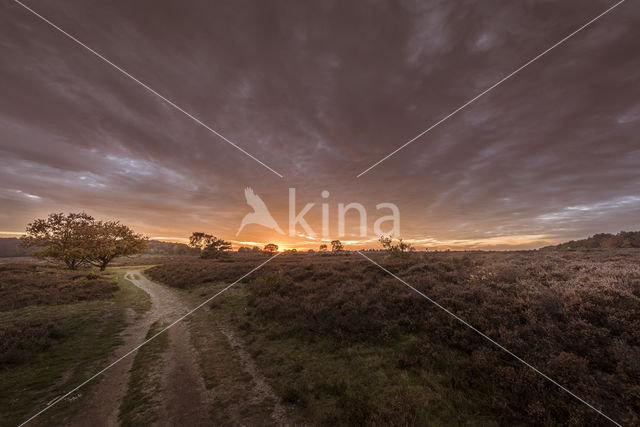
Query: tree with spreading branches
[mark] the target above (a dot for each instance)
(77, 239)
(111, 239)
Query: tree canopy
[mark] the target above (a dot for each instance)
(111, 239)
(337, 246)
(271, 248)
(78, 239)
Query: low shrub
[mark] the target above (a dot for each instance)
(20, 341)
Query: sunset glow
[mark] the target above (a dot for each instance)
(383, 212)
(541, 159)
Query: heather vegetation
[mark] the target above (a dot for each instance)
(342, 342)
(22, 285)
(346, 343)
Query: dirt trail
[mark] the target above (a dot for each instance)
(104, 405)
(261, 389)
(184, 398)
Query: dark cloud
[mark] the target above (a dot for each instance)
(320, 91)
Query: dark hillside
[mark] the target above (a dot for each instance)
(10, 247)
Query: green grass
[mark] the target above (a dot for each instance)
(137, 299)
(137, 405)
(88, 333)
(224, 376)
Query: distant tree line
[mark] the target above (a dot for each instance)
(248, 250)
(78, 239)
(156, 247)
(624, 239)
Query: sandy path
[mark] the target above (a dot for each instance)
(184, 398)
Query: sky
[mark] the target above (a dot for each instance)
(319, 92)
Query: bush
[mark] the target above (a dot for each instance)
(20, 341)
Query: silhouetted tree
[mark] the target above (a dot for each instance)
(395, 249)
(337, 246)
(271, 248)
(323, 248)
(210, 246)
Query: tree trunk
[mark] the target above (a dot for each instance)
(104, 262)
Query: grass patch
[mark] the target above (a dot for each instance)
(144, 383)
(225, 377)
(344, 384)
(139, 299)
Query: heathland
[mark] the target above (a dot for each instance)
(334, 339)
(344, 342)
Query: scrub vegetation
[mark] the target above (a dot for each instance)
(344, 342)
